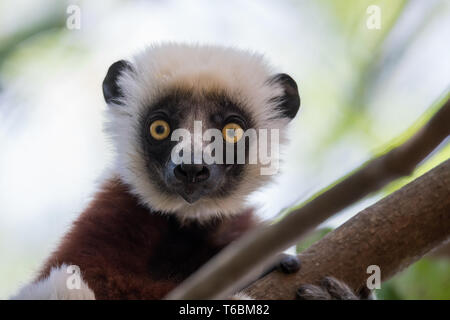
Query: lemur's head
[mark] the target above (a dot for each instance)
(196, 88)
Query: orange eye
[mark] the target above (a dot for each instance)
(159, 129)
(232, 132)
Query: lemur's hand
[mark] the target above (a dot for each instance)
(329, 288)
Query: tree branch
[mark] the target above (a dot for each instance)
(236, 264)
(392, 234)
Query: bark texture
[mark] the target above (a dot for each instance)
(392, 234)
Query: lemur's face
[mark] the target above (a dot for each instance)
(172, 102)
(181, 109)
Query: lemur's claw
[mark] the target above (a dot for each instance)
(285, 263)
(329, 288)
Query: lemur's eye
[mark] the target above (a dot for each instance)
(232, 132)
(159, 129)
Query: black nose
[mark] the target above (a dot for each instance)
(191, 173)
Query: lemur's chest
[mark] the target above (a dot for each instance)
(167, 252)
(180, 250)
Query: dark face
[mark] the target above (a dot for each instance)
(180, 109)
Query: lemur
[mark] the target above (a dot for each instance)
(154, 222)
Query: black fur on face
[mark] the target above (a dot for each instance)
(179, 108)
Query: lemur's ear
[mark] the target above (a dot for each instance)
(111, 89)
(289, 102)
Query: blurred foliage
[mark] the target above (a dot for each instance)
(363, 51)
(442, 154)
(437, 157)
(54, 19)
(427, 279)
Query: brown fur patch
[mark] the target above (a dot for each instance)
(125, 251)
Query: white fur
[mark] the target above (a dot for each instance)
(241, 296)
(242, 75)
(54, 287)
